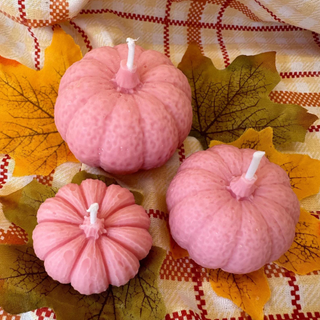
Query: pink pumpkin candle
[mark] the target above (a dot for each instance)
(92, 236)
(123, 108)
(230, 212)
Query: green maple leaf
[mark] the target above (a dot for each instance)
(227, 102)
(25, 285)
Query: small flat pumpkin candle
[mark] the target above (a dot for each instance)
(231, 211)
(123, 108)
(92, 236)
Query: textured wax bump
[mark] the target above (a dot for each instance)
(84, 68)
(160, 126)
(87, 128)
(150, 59)
(122, 143)
(73, 98)
(194, 181)
(107, 56)
(168, 74)
(174, 104)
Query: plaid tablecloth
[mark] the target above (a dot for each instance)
(224, 29)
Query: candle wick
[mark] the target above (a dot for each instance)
(257, 156)
(93, 209)
(131, 47)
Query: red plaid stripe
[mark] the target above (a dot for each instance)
(36, 49)
(13, 235)
(157, 214)
(6, 316)
(183, 269)
(83, 34)
(223, 49)
(199, 294)
(166, 29)
(270, 12)
(305, 74)
(45, 314)
(316, 214)
(183, 315)
(314, 128)
(316, 38)
(303, 99)
(4, 170)
(59, 10)
(245, 10)
(194, 17)
(46, 180)
(182, 153)
(272, 270)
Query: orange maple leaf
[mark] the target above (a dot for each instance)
(27, 97)
(304, 254)
(249, 291)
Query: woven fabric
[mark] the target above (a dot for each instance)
(224, 29)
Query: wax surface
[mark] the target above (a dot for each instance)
(117, 129)
(220, 231)
(92, 256)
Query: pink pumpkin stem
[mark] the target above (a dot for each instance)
(243, 186)
(92, 226)
(127, 77)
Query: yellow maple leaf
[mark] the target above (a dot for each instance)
(304, 254)
(303, 171)
(27, 97)
(249, 291)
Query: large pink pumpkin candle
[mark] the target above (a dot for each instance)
(123, 109)
(230, 212)
(92, 236)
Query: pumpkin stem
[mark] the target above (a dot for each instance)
(242, 187)
(92, 226)
(131, 47)
(127, 77)
(256, 158)
(93, 209)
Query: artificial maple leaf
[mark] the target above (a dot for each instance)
(27, 97)
(177, 251)
(25, 285)
(249, 291)
(304, 254)
(227, 102)
(303, 171)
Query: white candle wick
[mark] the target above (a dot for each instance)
(257, 156)
(131, 47)
(93, 209)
